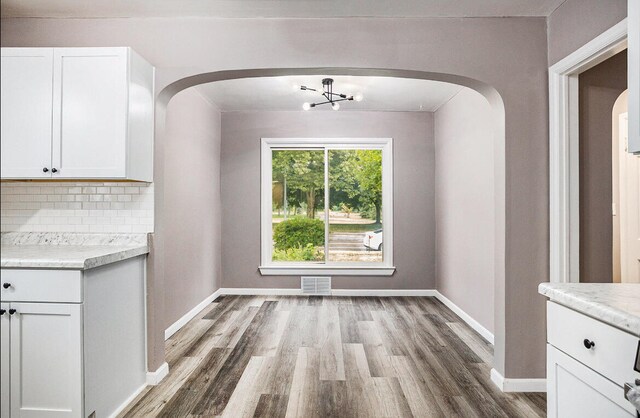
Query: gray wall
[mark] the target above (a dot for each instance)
(414, 219)
(192, 203)
(599, 88)
(465, 208)
(508, 54)
(576, 22)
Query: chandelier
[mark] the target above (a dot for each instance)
(333, 99)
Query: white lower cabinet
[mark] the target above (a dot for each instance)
(588, 363)
(575, 390)
(5, 361)
(72, 342)
(45, 337)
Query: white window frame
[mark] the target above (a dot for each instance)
(269, 267)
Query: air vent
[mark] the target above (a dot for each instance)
(316, 285)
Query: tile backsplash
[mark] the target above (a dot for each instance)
(76, 207)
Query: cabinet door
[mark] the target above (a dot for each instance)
(46, 360)
(26, 103)
(5, 346)
(576, 391)
(90, 112)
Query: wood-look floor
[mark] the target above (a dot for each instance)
(329, 357)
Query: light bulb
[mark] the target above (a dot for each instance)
(358, 97)
(335, 106)
(306, 106)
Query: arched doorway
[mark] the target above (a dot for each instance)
(156, 267)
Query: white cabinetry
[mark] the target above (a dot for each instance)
(5, 361)
(77, 113)
(588, 363)
(27, 91)
(73, 342)
(45, 360)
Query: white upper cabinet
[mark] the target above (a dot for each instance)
(100, 110)
(27, 90)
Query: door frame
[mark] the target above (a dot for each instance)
(564, 203)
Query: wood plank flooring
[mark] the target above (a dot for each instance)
(284, 356)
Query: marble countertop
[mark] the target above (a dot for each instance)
(613, 303)
(69, 251)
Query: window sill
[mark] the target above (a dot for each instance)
(326, 270)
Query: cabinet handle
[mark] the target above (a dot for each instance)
(2, 312)
(12, 311)
(6, 285)
(45, 170)
(54, 170)
(588, 344)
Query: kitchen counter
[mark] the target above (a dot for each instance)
(68, 251)
(613, 303)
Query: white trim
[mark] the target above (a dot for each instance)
(153, 378)
(334, 292)
(128, 401)
(267, 266)
(633, 71)
(384, 292)
(486, 334)
(175, 327)
(275, 270)
(518, 385)
(563, 150)
(260, 292)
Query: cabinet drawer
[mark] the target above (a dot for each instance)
(613, 353)
(41, 285)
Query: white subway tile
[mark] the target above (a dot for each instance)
(76, 207)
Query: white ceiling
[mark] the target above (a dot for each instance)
(276, 8)
(279, 93)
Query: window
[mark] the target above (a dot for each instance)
(327, 206)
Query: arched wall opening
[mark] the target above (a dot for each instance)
(156, 282)
(625, 196)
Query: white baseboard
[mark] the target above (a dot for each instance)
(334, 292)
(153, 378)
(382, 292)
(128, 401)
(518, 385)
(245, 291)
(486, 334)
(175, 327)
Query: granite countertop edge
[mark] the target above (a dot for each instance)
(80, 262)
(599, 310)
